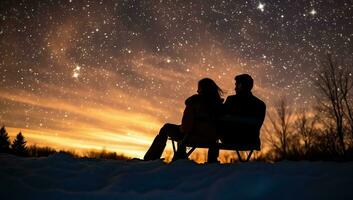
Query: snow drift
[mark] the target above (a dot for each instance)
(63, 177)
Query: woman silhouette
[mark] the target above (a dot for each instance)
(198, 124)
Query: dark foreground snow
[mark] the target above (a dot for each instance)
(64, 177)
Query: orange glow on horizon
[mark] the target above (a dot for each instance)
(110, 116)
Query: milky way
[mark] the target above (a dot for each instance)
(108, 74)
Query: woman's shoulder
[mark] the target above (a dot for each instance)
(193, 99)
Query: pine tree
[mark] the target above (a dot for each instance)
(19, 145)
(4, 141)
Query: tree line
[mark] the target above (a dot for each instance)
(323, 131)
(19, 148)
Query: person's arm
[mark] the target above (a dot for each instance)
(187, 120)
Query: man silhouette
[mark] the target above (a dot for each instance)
(243, 115)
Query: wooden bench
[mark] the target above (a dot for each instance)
(247, 148)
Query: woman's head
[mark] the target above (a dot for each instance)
(210, 89)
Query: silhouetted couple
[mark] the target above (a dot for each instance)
(206, 120)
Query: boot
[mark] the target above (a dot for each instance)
(157, 148)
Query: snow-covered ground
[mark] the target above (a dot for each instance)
(64, 177)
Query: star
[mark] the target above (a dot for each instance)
(77, 68)
(261, 6)
(75, 74)
(313, 12)
(76, 71)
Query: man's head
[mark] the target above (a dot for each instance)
(243, 83)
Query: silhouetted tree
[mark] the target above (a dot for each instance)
(19, 145)
(348, 100)
(281, 132)
(334, 84)
(36, 151)
(306, 127)
(4, 141)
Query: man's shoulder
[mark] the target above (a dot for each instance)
(252, 98)
(259, 101)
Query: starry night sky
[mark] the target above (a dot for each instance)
(109, 74)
